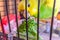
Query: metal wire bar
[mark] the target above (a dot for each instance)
(51, 29)
(26, 19)
(16, 17)
(1, 23)
(38, 19)
(6, 6)
(2, 27)
(7, 14)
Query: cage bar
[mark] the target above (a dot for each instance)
(51, 29)
(2, 33)
(1, 23)
(26, 19)
(16, 17)
(6, 6)
(38, 20)
(7, 14)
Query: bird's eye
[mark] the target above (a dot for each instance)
(28, 5)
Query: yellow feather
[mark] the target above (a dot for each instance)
(21, 6)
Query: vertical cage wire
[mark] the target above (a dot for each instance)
(1, 23)
(6, 6)
(38, 19)
(26, 19)
(51, 29)
(3, 33)
(16, 17)
(1, 26)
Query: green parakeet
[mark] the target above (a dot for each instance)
(46, 7)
